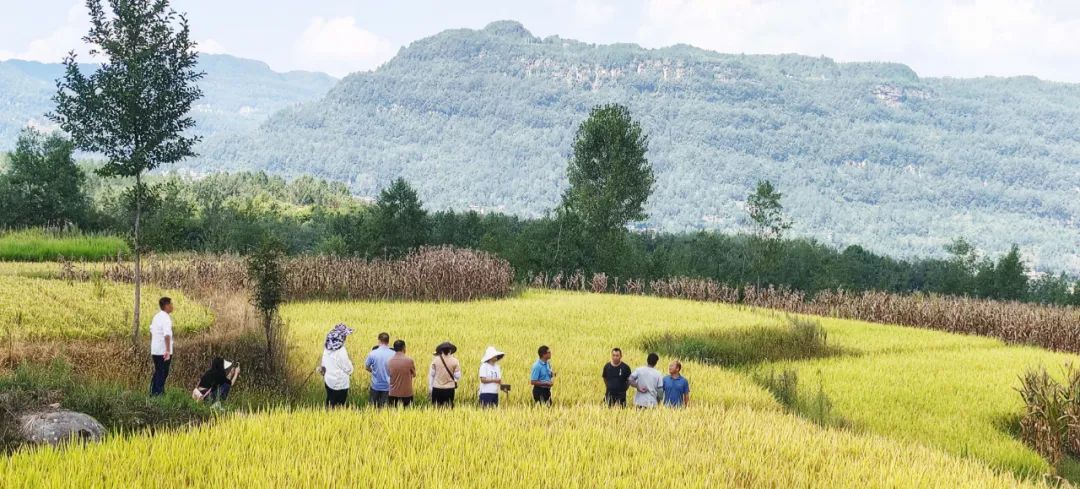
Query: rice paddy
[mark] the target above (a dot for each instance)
(922, 408)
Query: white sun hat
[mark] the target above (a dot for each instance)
(490, 353)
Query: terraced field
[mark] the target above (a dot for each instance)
(921, 408)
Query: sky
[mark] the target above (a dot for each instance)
(956, 38)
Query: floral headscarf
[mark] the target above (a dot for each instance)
(335, 339)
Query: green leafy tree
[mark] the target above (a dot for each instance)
(767, 212)
(1010, 276)
(43, 185)
(399, 222)
(610, 181)
(770, 223)
(266, 272)
(134, 109)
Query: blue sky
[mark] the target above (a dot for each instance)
(961, 38)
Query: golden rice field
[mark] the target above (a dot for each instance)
(925, 409)
(579, 447)
(58, 309)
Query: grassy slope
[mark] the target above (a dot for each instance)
(57, 309)
(951, 391)
(39, 245)
(923, 388)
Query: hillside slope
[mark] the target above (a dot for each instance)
(866, 153)
(238, 94)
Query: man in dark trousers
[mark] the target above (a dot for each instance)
(542, 377)
(161, 345)
(616, 379)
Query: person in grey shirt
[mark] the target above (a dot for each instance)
(649, 384)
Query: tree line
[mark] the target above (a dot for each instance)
(44, 185)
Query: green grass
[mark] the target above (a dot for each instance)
(42, 245)
(796, 339)
(31, 387)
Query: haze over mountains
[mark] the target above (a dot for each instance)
(238, 94)
(865, 153)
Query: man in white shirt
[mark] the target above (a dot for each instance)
(161, 345)
(649, 384)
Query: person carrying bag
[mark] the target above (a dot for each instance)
(443, 375)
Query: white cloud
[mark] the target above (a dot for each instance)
(338, 46)
(210, 46)
(935, 37)
(53, 47)
(593, 12)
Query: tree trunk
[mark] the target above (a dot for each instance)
(268, 322)
(138, 261)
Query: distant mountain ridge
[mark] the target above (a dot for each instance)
(865, 153)
(238, 93)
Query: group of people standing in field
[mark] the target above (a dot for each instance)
(392, 373)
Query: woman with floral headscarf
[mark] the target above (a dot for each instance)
(336, 366)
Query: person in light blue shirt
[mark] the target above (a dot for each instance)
(542, 377)
(676, 387)
(377, 363)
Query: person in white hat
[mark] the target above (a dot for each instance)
(491, 379)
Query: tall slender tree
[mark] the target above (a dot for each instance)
(767, 212)
(134, 109)
(610, 181)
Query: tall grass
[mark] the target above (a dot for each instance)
(796, 339)
(37, 244)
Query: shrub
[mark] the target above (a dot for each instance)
(30, 387)
(1043, 424)
(783, 386)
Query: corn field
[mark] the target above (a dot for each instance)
(428, 274)
(1053, 327)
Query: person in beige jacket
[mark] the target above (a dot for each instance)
(443, 376)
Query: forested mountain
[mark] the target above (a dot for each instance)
(865, 153)
(238, 94)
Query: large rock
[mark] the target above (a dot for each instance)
(57, 426)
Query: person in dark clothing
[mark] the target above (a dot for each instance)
(616, 379)
(215, 383)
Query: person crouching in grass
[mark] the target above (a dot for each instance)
(215, 384)
(676, 387)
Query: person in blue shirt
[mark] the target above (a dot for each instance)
(542, 377)
(676, 387)
(377, 363)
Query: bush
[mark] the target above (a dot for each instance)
(30, 387)
(1043, 424)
